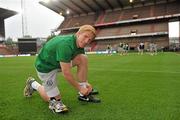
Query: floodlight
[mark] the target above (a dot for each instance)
(130, 1)
(67, 12)
(60, 13)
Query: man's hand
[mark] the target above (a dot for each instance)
(89, 87)
(84, 91)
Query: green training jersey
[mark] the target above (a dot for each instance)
(58, 49)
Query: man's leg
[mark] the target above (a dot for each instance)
(81, 62)
(48, 91)
(32, 86)
(43, 94)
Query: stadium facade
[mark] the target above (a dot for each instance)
(119, 20)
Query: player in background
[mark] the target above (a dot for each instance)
(109, 50)
(120, 49)
(141, 48)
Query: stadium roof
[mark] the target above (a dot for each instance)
(5, 13)
(78, 7)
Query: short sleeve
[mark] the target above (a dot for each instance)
(63, 53)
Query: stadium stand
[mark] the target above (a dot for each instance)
(4, 13)
(141, 12)
(78, 21)
(7, 50)
(121, 21)
(112, 16)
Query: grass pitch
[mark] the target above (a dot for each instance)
(132, 87)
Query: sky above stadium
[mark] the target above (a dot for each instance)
(39, 21)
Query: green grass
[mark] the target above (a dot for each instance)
(131, 87)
